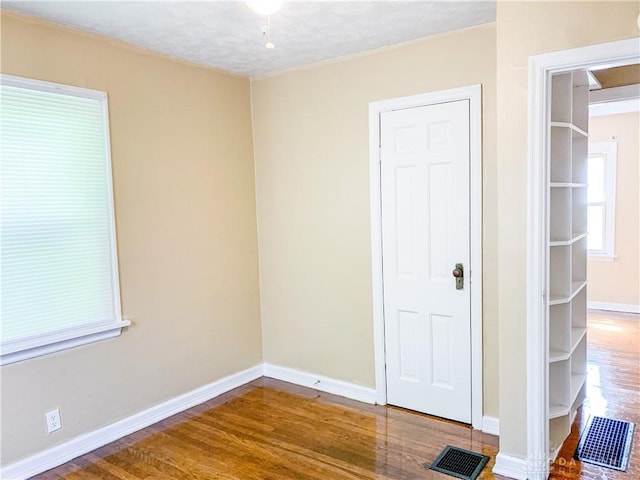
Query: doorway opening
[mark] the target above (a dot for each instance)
(540, 411)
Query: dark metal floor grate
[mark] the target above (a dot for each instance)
(606, 442)
(459, 463)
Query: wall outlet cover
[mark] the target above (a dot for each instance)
(53, 420)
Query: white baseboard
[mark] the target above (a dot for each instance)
(491, 425)
(511, 467)
(87, 442)
(614, 307)
(59, 454)
(320, 382)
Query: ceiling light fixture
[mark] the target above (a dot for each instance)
(264, 7)
(266, 33)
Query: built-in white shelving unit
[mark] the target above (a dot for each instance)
(567, 252)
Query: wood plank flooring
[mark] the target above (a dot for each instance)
(613, 390)
(274, 430)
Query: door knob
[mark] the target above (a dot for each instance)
(458, 273)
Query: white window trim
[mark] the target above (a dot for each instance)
(38, 345)
(610, 151)
(61, 340)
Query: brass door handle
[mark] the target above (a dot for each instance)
(458, 273)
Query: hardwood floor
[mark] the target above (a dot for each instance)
(613, 390)
(274, 430)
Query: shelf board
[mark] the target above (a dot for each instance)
(575, 131)
(558, 356)
(576, 335)
(558, 431)
(574, 412)
(575, 289)
(579, 400)
(554, 450)
(576, 237)
(577, 381)
(567, 185)
(556, 411)
(576, 286)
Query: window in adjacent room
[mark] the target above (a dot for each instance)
(58, 263)
(601, 195)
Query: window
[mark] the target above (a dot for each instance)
(58, 262)
(601, 195)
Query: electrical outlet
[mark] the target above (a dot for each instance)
(53, 420)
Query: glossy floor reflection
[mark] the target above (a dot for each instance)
(613, 390)
(274, 430)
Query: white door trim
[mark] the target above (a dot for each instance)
(540, 69)
(474, 95)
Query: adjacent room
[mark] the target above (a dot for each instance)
(594, 329)
(316, 239)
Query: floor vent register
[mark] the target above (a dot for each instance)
(459, 463)
(606, 442)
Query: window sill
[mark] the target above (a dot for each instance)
(602, 257)
(13, 352)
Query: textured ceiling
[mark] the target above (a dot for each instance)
(227, 35)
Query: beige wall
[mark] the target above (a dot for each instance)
(183, 174)
(524, 29)
(618, 281)
(184, 198)
(312, 180)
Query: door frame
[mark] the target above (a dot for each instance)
(472, 93)
(541, 67)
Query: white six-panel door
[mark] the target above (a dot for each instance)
(425, 233)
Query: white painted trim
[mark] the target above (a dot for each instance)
(594, 83)
(540, 69)
(474, 95)
(510, 467)
(70, 336)
(627, 92)
(55, 456)
(376, 254)
(614, 108)
(614, 307)
(475, 197)
(610, 152)
(600, 257)
(52, 457)
(322, 383)
(58, 341)
(537, 405)
(491, 425)
(51, 87)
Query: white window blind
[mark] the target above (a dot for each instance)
(58, 262)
